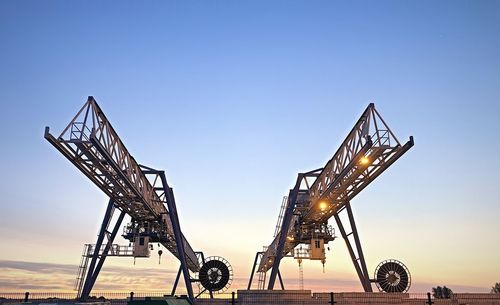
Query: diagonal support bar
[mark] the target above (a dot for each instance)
(359, 248)
(177, 234)
(284, 231)
(106, 249)
(359, 261)
(253, 269)
(98, 259)
(177, 277)
(281, 280)
(95, 256)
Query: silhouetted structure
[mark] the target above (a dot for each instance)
(92, 145)
(318, 195)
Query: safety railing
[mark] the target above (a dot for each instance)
(262, 297)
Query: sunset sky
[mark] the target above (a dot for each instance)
(233, 99)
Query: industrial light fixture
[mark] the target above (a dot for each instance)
(364, 160)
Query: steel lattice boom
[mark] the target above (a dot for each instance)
(93, 146)
(368, 150)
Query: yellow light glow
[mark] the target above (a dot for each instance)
(323, 205)
(364, 160)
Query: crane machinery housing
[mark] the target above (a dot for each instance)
(318, 195)
(91, 144)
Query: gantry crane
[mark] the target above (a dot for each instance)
(93, 146)
(318, 195)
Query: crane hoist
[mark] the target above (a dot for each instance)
(321, 194)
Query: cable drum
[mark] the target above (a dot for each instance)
(392, 276)
(216, 274)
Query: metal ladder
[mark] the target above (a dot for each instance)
(301, 276)
(262, 280)
(280, 216)
(82, 269)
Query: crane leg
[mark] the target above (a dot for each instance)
(172, 209)
(253, 269)
(359, 261)
(98, 258)
(359, 248)
(281, 281)
(176, 281)
(292, 198)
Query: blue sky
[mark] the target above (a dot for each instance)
(232, 99)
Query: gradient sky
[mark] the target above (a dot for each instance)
(233, 99)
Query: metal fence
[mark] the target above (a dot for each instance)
(264, 297)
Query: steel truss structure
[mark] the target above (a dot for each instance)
(367, 151)
(92, 145)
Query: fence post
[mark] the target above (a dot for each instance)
(429, 300)
(26, 296)
(332, 301)
(131, 296)
(233, 300)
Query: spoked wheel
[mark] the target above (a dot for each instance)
(216, 274)
(392, 276)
